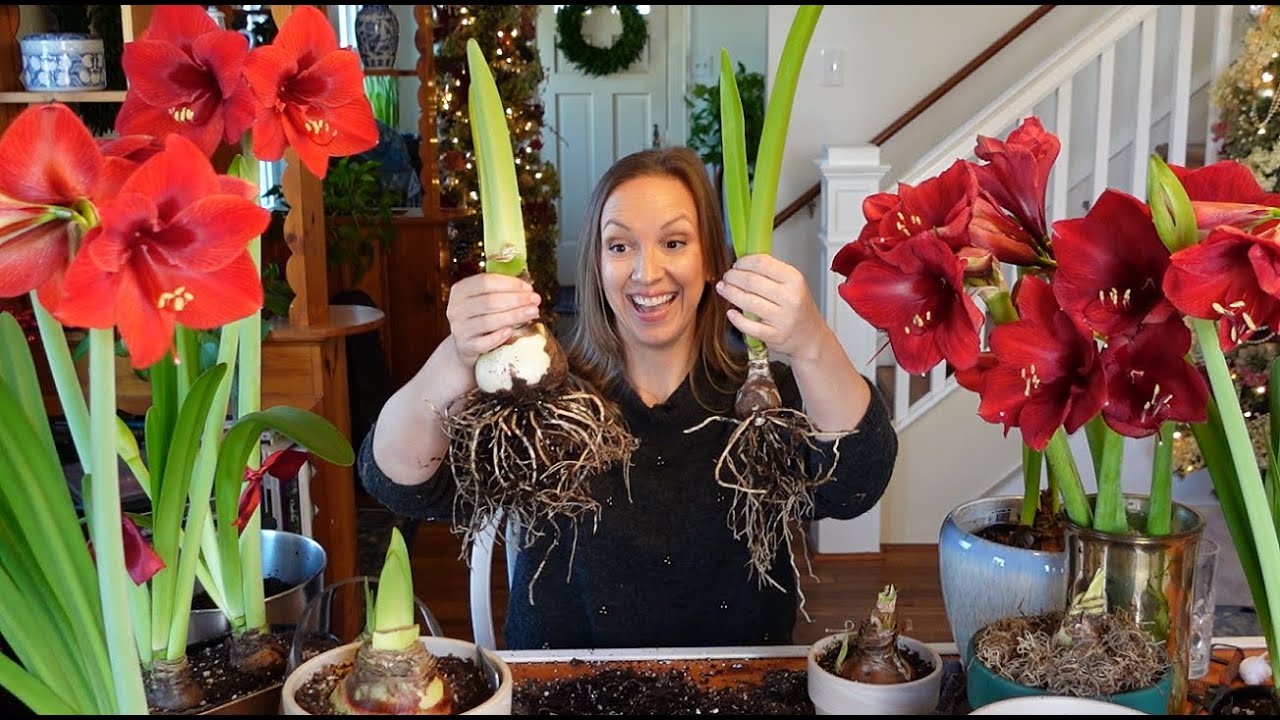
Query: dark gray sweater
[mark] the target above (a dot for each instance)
(663, 568)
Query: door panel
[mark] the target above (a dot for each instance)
(592, 121)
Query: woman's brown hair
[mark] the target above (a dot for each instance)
(595, 349)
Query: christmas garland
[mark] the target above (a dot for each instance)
(600, 61)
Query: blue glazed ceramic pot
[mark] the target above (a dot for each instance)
(63, 62)
(983, 581)
(377, 36)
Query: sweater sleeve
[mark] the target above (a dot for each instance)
(430, 500)
(864, 458)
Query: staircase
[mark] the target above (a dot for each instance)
(1135, 82)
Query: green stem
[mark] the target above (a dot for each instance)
(1261, 526)
(1095, 431)
(1160, 503)
(1062, 466)
(1032, 460)
(65, 379)
(104, 524)
(1109, 515)
(249, 400)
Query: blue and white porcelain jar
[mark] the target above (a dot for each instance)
(377, 36)
(63, 62)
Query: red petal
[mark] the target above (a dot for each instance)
(47, 156)
(211, 232)
(223, 52)
(31, 258)
(89, 293)
(162, 75)
(139, 557)
(147, 332)
(231, 293)
(249, 501)
(307, 35)
(285, 464)
(176, 177)
(179, 24)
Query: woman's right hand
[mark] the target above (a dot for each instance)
(484, 309)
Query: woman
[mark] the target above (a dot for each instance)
(656, 298)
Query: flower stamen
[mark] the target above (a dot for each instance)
(182, 114)
(179, 298)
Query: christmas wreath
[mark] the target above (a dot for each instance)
(594, 60)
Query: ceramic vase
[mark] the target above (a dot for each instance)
(983, 581)
(377, 36)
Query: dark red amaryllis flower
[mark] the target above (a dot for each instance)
(1001, 234)
(1227, 193)
(1149, 380)
(1016, 173)
(50, 171)
(940, 206)
(915, 293)
(1111, 266)
(282, 465)
(186, 77)
(140, 559)
(171, 247)
(1046, 374)
(310, 94)
(1230, 276)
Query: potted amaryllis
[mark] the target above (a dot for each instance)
(140, 235)
(1095, 335)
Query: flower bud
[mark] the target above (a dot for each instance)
(1171, 210)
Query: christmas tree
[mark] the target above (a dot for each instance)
(1245, 95)
(506, 35)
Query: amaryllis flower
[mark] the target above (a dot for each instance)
(915, 293)
(1046, 374)
(186, 77)
(1016, 173)
(171, 247)
(50, 171)
(1230, 276)
(1111, 266)
(1227, 193)
(282, 465)
(1149, 380)
(940, 206)
(1000, 234)
(310, 94)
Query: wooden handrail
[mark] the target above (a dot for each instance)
(918, 109)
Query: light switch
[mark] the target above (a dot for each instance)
(831, 62)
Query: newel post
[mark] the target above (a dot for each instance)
(849, 175)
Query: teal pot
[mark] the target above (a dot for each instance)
(984, 687)
(983, 581)
(1149, 577)
(295, 560)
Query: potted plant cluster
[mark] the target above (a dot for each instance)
(140, 235)
(872, 669)
(393, 669)
(1095, 335)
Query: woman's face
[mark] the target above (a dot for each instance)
(651, 262)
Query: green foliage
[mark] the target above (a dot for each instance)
(704, 117)
(353, 195)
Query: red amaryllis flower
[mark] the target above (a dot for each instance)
(915, 293)
(134, 148)
(1111, 266)
(171, 248)
(1232, 276)
(50, 167)
(1000, 234)
(186, 77)
(140, 559)
(1047, 373)
(1016, 175)
(1227, 193)
(281, 465)
(310, 94)
(1149, 380)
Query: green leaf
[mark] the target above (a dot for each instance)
(737, 190)
(393, 625)
(19, 371)
(504, 240)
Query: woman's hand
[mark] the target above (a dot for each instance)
(776, 294)
(484, 309)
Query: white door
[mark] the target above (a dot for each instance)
(590, 121)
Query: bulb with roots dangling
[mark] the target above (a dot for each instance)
(526, 442)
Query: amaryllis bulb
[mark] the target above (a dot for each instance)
(530, 359)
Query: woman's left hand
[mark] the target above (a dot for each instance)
(776, 294)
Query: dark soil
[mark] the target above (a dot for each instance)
(671, 691)
(470, 688)
(270, 588)
(921, 666)
(211, 667)
(1248, 700)
(1045, 534)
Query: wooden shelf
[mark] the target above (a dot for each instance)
(343, 320)
(38, 98)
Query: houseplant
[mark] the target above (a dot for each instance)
(392, 669)
(1099, 336)
(872, 669)
(136, 235)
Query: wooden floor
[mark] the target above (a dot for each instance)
(843, 587)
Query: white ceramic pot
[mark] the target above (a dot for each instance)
(1053, 705)
(834, 695)
(498, 704)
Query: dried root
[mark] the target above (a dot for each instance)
(530, 457)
